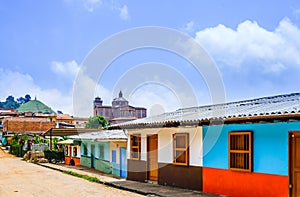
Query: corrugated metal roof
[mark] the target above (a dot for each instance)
(101, 135)
(280, 104)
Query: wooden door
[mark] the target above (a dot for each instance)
(294, 139)
(152, 157)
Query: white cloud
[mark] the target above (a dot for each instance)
(274, 50)
(124, 13)
(19, 84)
(91, 5)
(296, 12)
(67, 69)
(153, 97)
(189, 27)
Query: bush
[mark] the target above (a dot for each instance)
(16, 149)
(57, 156)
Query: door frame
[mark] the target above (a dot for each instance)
(290, 149)
(123, 166)
(147, 163)
(92, 155)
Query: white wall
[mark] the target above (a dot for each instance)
(165, 143)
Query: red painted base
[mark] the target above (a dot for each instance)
(76, 160)
(245, 184)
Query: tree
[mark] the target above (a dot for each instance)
(27, 98)
(10, 103)
(10, 98)
(21, 100)
(96, 122)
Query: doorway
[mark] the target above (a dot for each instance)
(294, 164)
(152, 157)
(123, 166)
(92, 156)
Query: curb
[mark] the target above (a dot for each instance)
(114, 185)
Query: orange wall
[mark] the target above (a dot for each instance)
(76, 160)
(245, 184)
(22, 126)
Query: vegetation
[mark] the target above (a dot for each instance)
(35, 106)
(86, 177)
(16, 147)
(11, 103)
(96, 122)
(54, 156)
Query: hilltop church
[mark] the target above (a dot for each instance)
(120, 111)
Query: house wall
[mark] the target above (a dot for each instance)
(103, 164)
(168, 173)
(27, 126)
(270, 160)
(71, 155)
(115, 146)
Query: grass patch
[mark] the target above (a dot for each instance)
(86, 177)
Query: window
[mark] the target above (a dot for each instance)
(181, 149)
(74, 151)
(84, 149)
(66, 150)
(101, 151)
(113, 156)
(135, 147)
(240, 151)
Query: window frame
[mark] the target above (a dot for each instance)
(101, 152)
(241, 151)
(186, 149)
(85, 150)
(138, 146)
(75, 153)
(67, 150)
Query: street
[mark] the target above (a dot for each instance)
(19, 178)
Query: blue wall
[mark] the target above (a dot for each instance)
(270, 146)
(97, 149)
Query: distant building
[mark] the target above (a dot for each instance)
(80, 122)
(27, 124)
(120, 111)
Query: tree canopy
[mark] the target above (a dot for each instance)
(96, 122)
(11, 103)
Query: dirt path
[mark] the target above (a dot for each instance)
(18, 178)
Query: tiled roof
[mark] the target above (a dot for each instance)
(63, 117)
(102, 135)
(26, 119)
(280, 104)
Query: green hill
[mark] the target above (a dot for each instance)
(35, 106)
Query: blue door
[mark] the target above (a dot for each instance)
(123, 162)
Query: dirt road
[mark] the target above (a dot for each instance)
(18, 178)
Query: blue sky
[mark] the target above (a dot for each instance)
(255, 44)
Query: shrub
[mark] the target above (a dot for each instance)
(54, 155)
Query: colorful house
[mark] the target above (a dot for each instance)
(104, 150)
(250, 149)
(72, 152)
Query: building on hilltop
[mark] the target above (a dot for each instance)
(120, 111)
